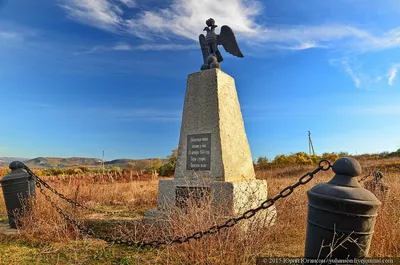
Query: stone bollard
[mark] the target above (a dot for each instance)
(16, 186)
(341, 215)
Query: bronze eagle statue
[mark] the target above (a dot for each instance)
(209, 45)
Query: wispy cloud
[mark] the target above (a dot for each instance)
(12, 34)
(348, 69)
(129, 3)
(102, 14)
(3, 147)
(354, 76)
(307, 45)
(182, 19)
(301, 46)
(155, 47)
(140, 47)
(181, 22)
(392, 74)
(7, 35)
(363, 76)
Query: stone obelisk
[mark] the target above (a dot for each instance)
(214, 157)
(213, 140)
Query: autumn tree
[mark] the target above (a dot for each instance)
(168, 168)
(262, 162)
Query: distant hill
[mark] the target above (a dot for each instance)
(47, 162)
(56, 162)
(5, 161)
(127, 163)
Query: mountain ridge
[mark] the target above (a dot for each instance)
(52, 162)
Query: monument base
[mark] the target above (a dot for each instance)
(229, 199)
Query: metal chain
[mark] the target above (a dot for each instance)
(372, 174)
(364, 178)
(62, 196)
(197, 235)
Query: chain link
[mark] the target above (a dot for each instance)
(364, 178)
(182, 239)
(62, 196)
(371, 174)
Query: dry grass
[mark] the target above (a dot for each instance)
(287, 237)
(45, 229)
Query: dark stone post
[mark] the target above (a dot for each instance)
(340, 213)
(16, 186)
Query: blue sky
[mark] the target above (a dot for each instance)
(81, 76)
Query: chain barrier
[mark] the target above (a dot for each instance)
(364, 178)
(374, 173)
(62, 196)
(182, 239)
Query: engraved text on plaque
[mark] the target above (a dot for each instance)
(198, 152)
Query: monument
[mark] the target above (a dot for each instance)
(214, 157)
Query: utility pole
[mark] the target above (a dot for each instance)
(310, 145)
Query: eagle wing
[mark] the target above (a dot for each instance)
(203, 46)
(227, 39)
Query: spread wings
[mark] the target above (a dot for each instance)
(227, 39)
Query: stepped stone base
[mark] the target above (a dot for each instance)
(228, 198)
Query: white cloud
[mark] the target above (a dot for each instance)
(155, 47)
(301, 46)
(184, 19)
(306, 45)
(312, 34)
(355, 77)
(390, 39)
(141, 47)
(392, 74)
(102, 14)
(129, 3)
(122, 47)
(358, 73)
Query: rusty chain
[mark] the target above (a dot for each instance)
(62, 196)
(197, 235)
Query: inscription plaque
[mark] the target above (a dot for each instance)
(198, 155)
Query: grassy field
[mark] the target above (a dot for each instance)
(47, 239)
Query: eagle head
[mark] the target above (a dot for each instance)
(210, 22)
